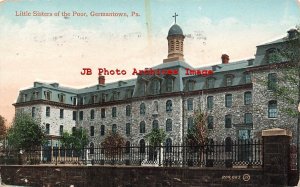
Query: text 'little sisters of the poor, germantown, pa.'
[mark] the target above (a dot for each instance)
(77, 14)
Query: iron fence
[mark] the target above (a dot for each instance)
(213, 154)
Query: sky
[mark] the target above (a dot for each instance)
(56, 48)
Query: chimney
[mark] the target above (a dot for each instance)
(101, 80)
(225, 59)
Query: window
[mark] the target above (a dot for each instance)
(102, 112)
(128, 110)
(47, 111)
(155, 106)
(61, 97)
(272, 109)
(47, 128)
(91, 148)
(210, 83)
(61, 130)
(229, 81)
(142, 109)
(228, 144)
(74, 101)
(273, 56)
(142, 146)
(228, 100)
(156, 86)
(92, 114)
(35, 95)
(24, 97)
(210, 122)
(128, 129)
(47, 95)
(169, 125)
(228, 121)
(190, 123)
(114, 112)
(190, 85)
(33, 112)
(94, 99)
(102, 130)
(248, 119)
(116, 96)
(155, 124)
(73, 130)
(103, 98)
(168, 145)
(61, 113)
(247, 98)
(114, 128)
(272, 81)
(74, 115)
(92, 131)
(143, 88)
(248, 78)
(169, 106)
(127, 147)
(80, 115)
(190, 104)
(169, 85)
(210, 102)
(142, 127)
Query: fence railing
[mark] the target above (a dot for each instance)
(214, 154)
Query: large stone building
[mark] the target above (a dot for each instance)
(166, 96)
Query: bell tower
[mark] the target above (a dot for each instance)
(175, 43)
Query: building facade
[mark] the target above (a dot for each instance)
(167, 96)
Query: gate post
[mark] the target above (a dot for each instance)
(276, 156)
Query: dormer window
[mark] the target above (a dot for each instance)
(24, 97)
(94, 99)
(210, 82)
(47, 95)
(273, 55)
(156, 86)
(190, 85)
(61, 97)
(104, 96)
(74, 100)
(169, 85)
(247, 77)
(116, 96)
(35, 95)
(228, 80)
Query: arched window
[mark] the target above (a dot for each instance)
(168, 145)
(272, 81)
(91, 148)
(127, 147)
(169, 106)
(155, 124)
(190, 123)
(210, 102)
(142, 127)
(156, 106)
(142, 109)
(272, 109)
(228, 100)
(142, 146)
(47, 128)
(210, 122)
(228, 144)
(247, 98)
(128, 129)
(114, 128)
(92, 114)
(190, 104)
(128, 110)
(114, 112)
(228, 121)
(102, 130)
(169, 125)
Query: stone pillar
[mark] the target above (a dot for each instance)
(276, 154)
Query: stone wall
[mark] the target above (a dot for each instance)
(129, 176)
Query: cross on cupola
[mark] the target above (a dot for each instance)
(175, 17)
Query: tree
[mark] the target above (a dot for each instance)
(77, 140)
(156, 137)
(112, 144)
(3, 129)
(197, 135)
(25, 133)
